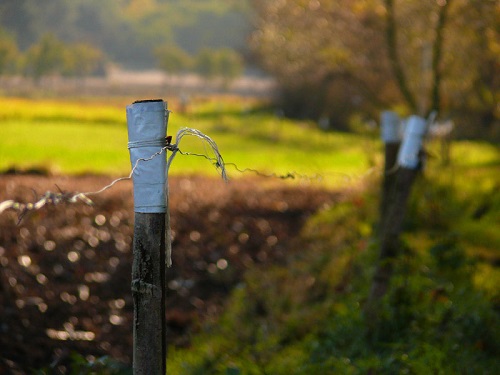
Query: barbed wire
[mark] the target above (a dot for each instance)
(49, 198)
(217, 159)
(62, 197)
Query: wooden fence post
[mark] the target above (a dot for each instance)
(147, 123)
(408, 162)
(390, 134)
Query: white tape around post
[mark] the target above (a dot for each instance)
(146, 121)
(389, 123)
(408, 156)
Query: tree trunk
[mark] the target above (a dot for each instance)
(437, 52)
(392, 49)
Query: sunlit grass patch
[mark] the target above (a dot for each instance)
(69, 136)
(72, 137)
(42, 111)
(64, 147)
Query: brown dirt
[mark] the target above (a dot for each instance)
(65, 270)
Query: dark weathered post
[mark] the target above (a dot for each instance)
(390, 134)
(147, 122)
(408, 162)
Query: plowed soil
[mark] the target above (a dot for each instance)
(65, 270)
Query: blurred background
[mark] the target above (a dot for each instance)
(273, 272)
(325, 60)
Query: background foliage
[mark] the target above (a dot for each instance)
(129, 30)
(332, 59)
(336, 58)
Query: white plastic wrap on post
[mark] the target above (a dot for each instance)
(389, 123)
(402, 127)
(147, 126)
(412, 142)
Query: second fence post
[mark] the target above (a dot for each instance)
(408, 162)
(147, 123)
(390, 129)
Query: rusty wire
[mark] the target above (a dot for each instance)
(49, 198)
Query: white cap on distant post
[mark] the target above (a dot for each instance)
(416, 128)
(389, 127)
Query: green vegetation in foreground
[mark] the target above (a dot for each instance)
(440, 315)
(68, 137)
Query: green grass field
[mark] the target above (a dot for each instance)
(73, 138)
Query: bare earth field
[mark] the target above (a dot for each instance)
(66, 270)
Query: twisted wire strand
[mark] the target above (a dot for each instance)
(211, 154)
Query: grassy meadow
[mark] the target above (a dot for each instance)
(441, 314)
(70, 137)
(90, 136)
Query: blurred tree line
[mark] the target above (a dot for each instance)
(334, 58)
(49, 56)
(80, 36)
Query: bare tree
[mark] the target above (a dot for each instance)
(368, 55)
